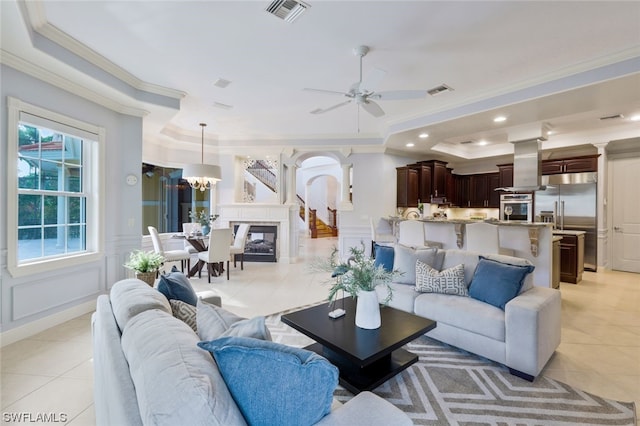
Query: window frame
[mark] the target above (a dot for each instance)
(93, 183)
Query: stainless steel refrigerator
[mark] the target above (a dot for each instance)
(570, 199)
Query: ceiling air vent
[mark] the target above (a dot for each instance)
(221, 105)
(465, 142)
(439, 89)
(612, 117)
(221, 83)
(288, 10)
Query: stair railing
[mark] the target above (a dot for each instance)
(333, 221)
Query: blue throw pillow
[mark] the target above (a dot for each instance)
(384, 257)
(175, 285)
(497, 283)
(274, 384)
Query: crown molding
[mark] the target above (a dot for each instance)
(15, 62)
(37, 20)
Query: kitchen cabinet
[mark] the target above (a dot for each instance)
(505, 173)
(451, 186)
(482, 190)
(555, 262)
(406, 187)
(461, 192)
(587, 163)
(437, 176)
(571, 257)
(424, 181)
(494, 196)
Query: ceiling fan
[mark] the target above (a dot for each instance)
(363, 91)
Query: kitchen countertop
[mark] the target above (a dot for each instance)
(493, 222)
(561, 232)
(555, 238)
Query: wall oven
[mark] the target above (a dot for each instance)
(516, 207)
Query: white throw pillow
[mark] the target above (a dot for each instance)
(449, 281)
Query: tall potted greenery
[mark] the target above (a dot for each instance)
(359, 276)
(145, 264)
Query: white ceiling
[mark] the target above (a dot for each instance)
(561, 63)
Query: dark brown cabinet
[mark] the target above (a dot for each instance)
(494, 196)
(505, 173)
(482, 190)
(406, 187)
(587, 163)
(571, 258)
(432, 176)
(424, 181)
(461, 193)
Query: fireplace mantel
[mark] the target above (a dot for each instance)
(285, 216)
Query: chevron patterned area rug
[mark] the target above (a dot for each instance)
(448, 386)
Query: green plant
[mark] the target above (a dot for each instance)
(144, 261)
(358, 273)
(202, 217)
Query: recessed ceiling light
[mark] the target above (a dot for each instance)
(550, 132)
(635, 117)
(482, 143)
(410, 144)
(423, 135)
(500, 119)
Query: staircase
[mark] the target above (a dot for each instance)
(318, 228)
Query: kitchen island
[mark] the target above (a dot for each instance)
(527, 240)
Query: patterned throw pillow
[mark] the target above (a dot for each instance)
(185, 312)
(449, 281)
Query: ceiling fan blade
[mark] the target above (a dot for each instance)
(395, 95)
(322, 111)
(372, 80)
(372, 108)
(326, 92)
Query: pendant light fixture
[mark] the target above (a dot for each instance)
(201, 176)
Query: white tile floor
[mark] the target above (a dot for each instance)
(600, 351)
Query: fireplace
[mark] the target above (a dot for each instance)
(261, 243)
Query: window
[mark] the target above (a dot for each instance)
(52, 174)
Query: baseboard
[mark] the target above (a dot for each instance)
(42, 324)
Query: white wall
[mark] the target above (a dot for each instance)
(28, 300)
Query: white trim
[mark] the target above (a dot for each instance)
(43, 74)
(34, 327)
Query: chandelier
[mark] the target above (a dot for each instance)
(201, 176)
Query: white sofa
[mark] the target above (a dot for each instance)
(149, 370)
(523, 336)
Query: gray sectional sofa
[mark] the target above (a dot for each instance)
(523, 336)
(149, 370)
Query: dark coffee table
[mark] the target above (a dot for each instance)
(365, 358)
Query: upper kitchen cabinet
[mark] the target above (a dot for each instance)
(587, 163)
(482, 190)
(424, 181)
(505, 175)
(406, 187)
(438, 180)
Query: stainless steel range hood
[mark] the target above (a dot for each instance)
(527, 164)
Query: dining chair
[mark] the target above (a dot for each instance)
(484, 238)
(381, 234)
(169, 255)
(219, 250)
(239, 242)
(411, 233)
(190, 228)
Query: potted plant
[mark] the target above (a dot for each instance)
(145, 264)
(204, 219)
(359, 276)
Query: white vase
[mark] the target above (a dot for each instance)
(367, 310)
